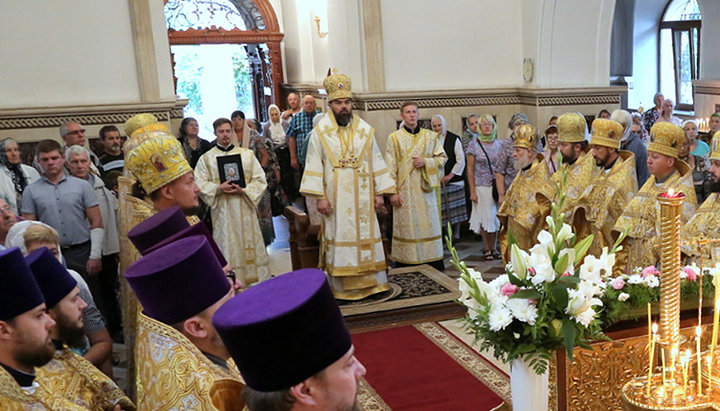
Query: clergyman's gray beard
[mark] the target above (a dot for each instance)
(521, 163)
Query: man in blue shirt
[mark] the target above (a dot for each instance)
(299, 130)
(69, 205)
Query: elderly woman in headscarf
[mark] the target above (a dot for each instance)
(14, 175)
(483, 155)
(505, 169)
(453, 209)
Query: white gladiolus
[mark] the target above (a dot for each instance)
(545, 245)
(590, 269)
(564, 234)
(522, 309)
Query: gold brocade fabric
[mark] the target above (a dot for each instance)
(236, 228)
(14, 398)
(416, 223)
(579, 176)
(520, 214)
(641, 247)
(173, 374)
(344, 166)
(604, 200)
(131, 212)
(69, 377)
(705, 224)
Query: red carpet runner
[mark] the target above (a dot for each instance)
(410, 372)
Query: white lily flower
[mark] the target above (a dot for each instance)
(590, 269)
(519, 259)
(541, 264)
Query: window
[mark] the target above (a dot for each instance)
(680, 51)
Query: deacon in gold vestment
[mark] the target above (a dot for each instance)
(415, 158)
(705, 224)
(236, 228)
(157, 177)
(642, 246)
(178, 351)
(520, 215)
(610, 191)
(577, 164)
(347, 174)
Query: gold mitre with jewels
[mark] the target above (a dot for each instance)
(140, 127)
(606, 133)
(526, 137)
(666, 138)
(715, 147)
(156, 161)
(338, 86)
(571, 128)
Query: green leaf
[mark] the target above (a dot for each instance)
(514, 280)
(569, 337)
(560, 295)
(530, 294)
(568, 281)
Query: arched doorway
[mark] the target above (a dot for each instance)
(247, 29)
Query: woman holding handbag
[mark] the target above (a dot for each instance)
(482, 155)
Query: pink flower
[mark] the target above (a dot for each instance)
(649, 270)
(565, 274)
(691, 275)
(617, 283)
(509, 289)
(531, 271)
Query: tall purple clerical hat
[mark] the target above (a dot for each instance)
(19, 292)
(53, 278)
(167, 226)
(179, 280)
(284, 330)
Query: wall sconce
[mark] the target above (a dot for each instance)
(317, 25)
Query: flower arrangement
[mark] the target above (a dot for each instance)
(642, 286)
(548, 297)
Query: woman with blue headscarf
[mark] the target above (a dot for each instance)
(14, 176)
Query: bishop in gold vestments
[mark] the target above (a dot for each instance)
(520, 214)
(705, 224)
(153, 159)
(610, 191)
(578, 164)
(416, 235)
(344, 167)
(642, 246)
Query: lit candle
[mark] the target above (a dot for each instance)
(652, 354)
(708, 360)
(673, 358)
(698, 333)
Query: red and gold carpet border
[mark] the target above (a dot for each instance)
(468, 358)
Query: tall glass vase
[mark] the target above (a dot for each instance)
(529, 390)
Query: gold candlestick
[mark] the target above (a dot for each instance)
(670, 211)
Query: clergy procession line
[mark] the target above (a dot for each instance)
(207, 326)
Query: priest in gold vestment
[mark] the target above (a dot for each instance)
(25, 341)
(236, 228)
(415, 157)
(348, 176)
(577, 164)
(641, 248)
(157, 177)
(705, 224)
(69, 377)
(179, 353)
(610, 191)
(520, 214)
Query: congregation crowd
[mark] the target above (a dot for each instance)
(145, 242)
